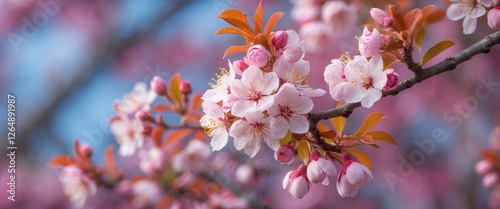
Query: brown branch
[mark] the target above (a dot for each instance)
(450, 63)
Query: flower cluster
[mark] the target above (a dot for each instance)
(261, 97)
(323, 22)
(470, 10)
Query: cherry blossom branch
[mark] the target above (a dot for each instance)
(450, 63)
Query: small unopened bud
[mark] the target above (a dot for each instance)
(392, 79)
(494, 18)
(159, 86)
(86, 150)
(285, 154)
(380, 16)
(146, 131)
(240, 64)
(185, 87)
(144, 116)
(280, 39)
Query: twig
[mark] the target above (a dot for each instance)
(450, 63)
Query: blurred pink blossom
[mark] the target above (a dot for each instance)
(490, 179)
(339, 16)
(227, 200)
(139, 99)
(469, 11)
(192, 158)
(316, 34)
(246, 174)
(146, 193)
(76, 185)
(151, 160)
(484, 166)
(128, 133)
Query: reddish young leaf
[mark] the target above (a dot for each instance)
(436, 16)
(271, 22)
(412, 18)
(428, 9)
(397, 18)
(196, 102)
(109, 160)
(331, 134)
(321, 127)
(162, 108)
(78, 152)
(362, 157)
(231, 30)
(175, 136)
(235, 49)
(164, 202)
(382, 136)
(200, 134)
(258, 19)
(156, 135)
(62, 160)
(369, 122)
(175, 91)
(236, 18)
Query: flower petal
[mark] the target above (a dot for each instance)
(469, 25)
(456, 11)
(298, 124)
(242, 106)
(371, 97)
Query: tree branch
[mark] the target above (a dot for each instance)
(450, 63)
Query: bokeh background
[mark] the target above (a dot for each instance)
(67, 65)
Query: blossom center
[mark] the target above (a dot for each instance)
(257, 128)
(285, 111)
(255, 95)
(367, 82)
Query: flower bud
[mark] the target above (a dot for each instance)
(296, 182)
(490, 180)
(280, 39)
(319, 168)
(352, 175)
(257, 55)
(185, 87)
(86, 150)
(159, 86)
(238, 66)
(141, 115)
(392, 79)
(146, 131)
(379, 16)
(285, 154)
(484, 166)
(494, 18)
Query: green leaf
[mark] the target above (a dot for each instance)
(435, 50)
(303, 150)
(382, 136)
(362, 157)
(369, 122)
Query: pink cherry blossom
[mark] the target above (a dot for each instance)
(316, 34)
(392, 79)
(352, 175)
(151, 160)
(237, 66)
(296, 182)
(339, 16)
(469, 10)
(491, 179)
(294, 49)
(76, 185)
(253, 91)
(380, 16)
(370, 42)
(364, 80)
(246, 174)
(285, 154)
(320, 168)
(139, 99)
(248, 133)
(494, 18)
(146, 193)
(257, 55)
(484, 166)
(288, 110)
(335, 78)
(221, 88)
(192, 158)
(215, 125)
(296, 74)
(128, 133)
(305, 10)
(227, 200)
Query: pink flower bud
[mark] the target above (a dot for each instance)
(484, 166)
(257, 55)
(246, 174)
(494, 18)
(319, 168)
(490, 180)
(285, 154)
(142, 115)
(370, 42)
(296, 182)
(280, 39)
(185, 87)
(392, 79)
(387, 21)
(86, 150)
(159, 86)
(238, 66)
(379, 16)
(352, 176)
(146, 130)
